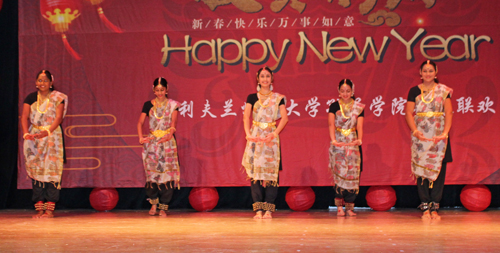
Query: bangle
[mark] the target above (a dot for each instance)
(24, 135)
(48, 131)
(416, 130)
(172, 128)
(360, 142)
(275, 135)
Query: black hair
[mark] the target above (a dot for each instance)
(433, 65)
(160, 80)
(266, 68)
(49, 76)
(348, 82)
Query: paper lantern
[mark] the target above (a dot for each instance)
(475, 198)
(103, 199)
(203, 199)
(300, 198)
(61, 13)
(381, 198)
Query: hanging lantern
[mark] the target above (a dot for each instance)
(61, 13)
(103, 17)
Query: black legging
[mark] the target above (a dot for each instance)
(261, 194)
(435, 193)
(45, 192)
(348, 196)
(166, 193)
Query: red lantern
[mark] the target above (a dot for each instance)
(381, 198)
(475, 198)
(103, 199)
(300, 198)
(103, 17)
(203, 199)
(61, 13)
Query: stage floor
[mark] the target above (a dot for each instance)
(399, 230)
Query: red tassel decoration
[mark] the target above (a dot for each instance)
(68, 47)
(108, 23)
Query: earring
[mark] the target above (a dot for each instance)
(258, 87)
(51, 86)
(435, 77)
(271, 87)
(421, 78)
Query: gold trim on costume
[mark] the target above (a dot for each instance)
(46, 128)
(346, 132)
(160, 133)
(264, 125)
(425, 168)
(430, 114)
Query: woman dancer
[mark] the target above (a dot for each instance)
(429, 116)
(262, 157)
(345, 123)
(160, 148)
(43, 142)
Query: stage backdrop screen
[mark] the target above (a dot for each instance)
(105, 55)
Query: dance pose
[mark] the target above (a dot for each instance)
(345, 124)
(429, 116)
(160, 148)
(43, 142)
(262, 157)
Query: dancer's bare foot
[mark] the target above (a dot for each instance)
(435, 215)
(47, 214)
(163, 214)
(351, 213)
(340, 211)
(268, 215)
(258, 215)
(152, 211)
(426, 215)
(38, 215)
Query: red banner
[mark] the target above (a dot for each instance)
(105, 55)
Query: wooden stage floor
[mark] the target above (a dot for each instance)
(399, 230)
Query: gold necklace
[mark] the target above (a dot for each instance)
(38, 103)
(154, 108)
(422, 96)
(262, 105)
(346, 105)
(266, 95)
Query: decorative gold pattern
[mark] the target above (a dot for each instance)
(160, 133)
(269, 207)
(154, 201)
(258, 206)
(163, 207)
(346, 132)
(430, 114)
(264, 125)
(43, 128)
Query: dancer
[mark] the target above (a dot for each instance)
(429, 115)
(160, 148)
(262, 157)
(43, 142)
(345, 124)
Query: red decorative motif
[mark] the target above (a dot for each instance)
(61, 13)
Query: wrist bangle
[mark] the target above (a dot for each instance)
(48, 131)
(275, 135)
(24, 135)
(173, 129)
(416, 130)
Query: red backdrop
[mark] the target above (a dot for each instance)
(209, 55)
